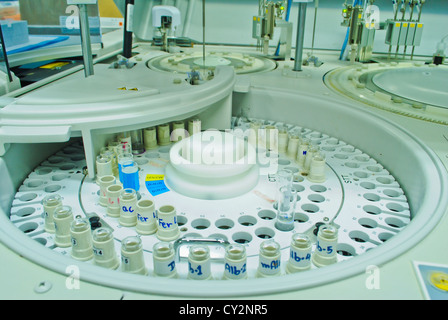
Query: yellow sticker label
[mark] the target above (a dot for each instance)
(154, 177)
(439, 280)
(54, 65)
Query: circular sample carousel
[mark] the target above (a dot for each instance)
(242, 63)
(222, 190)
(411, 89)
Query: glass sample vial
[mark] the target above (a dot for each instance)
(299, 253)
(130, 175)
(123, 159)
(284, 179)
(286, 205)
(270, 134)
(50, 203)
(126, 140)
(128, 207)
(114, 146)
(167, 227)
(199, 265)
(113, 200)
(269, 259)
(302, 151)
(104, 253)
(146, 217)
(63, 218)
(164, 260)
(138, 147)
(235, 266)
(312, 151)
(327, 241)
(81, 238)
(132, 259)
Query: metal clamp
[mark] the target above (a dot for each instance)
(192, 241)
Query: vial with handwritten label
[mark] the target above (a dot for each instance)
(167, 228)
(164, 260)
(128, 207)
(269, 259)
(199, 265)
(235, 262)
(299, 253)
(104, 253)
(327, 241)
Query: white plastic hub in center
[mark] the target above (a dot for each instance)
(212, 165)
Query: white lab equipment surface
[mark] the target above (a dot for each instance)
(367, 159)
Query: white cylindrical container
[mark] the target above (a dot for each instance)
(128, 207)
(164, 260)
(179, 131)
(293, 145)
(299, 253)
(132, 259)
(317, 168)
(103, 166)
(50, 203)
(269, 259)
(150, 138)
(104, 253)
(235, 267)
(146, 217)
(194, 126)
(302, 151)
(282, 139)
(163, 134)
(253, 133)
(113, 200)
(199, 265)
(327, 241)
(167, 227)
(63, 218)
(104, 182)
(81, 237)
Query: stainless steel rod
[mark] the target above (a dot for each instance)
(300, 35)
(85, 40)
